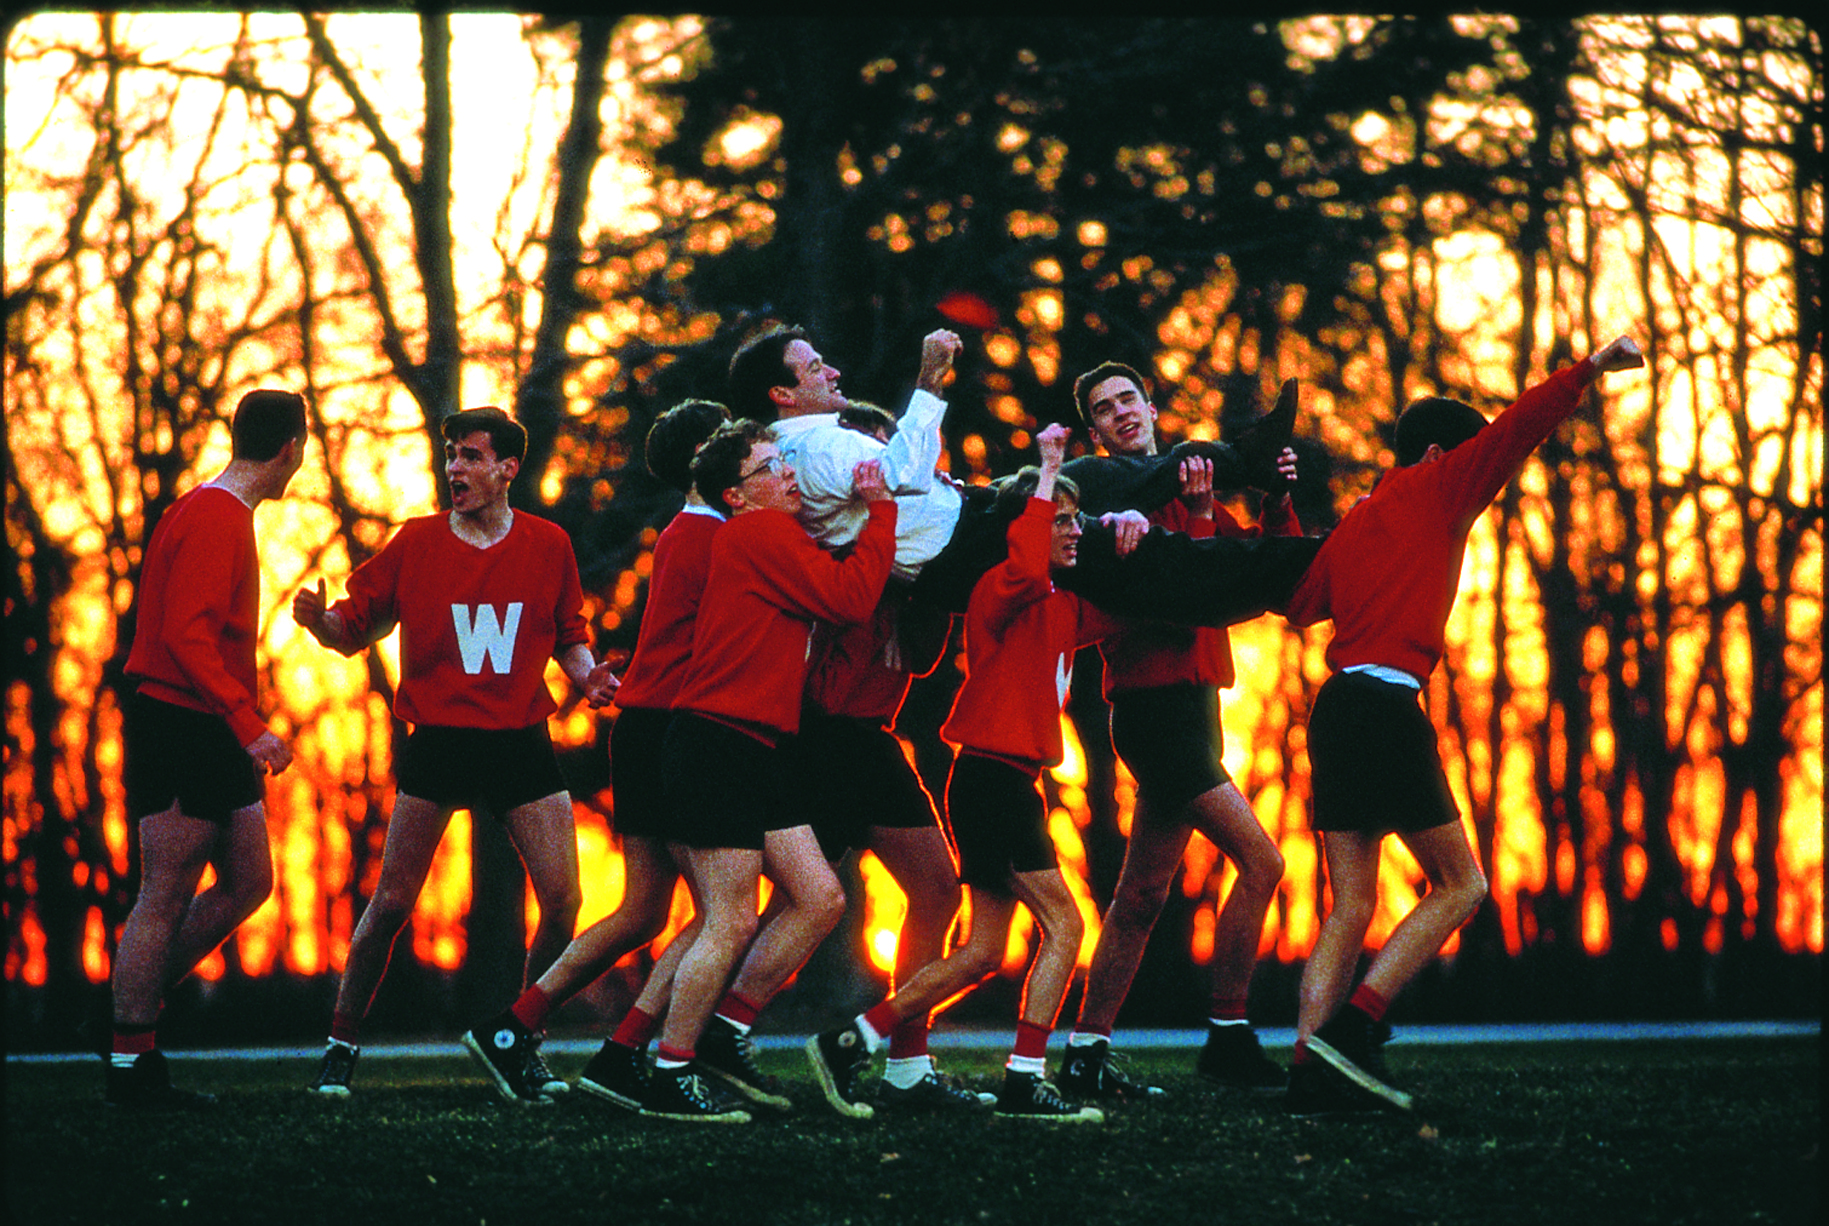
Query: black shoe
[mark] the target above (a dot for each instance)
(839, 1059)
(729, 1055)
(681, 1094)
(618, 1074)
(1026, 1096)
(1317, 1091)
(1233, 1057)
(935, 1093)
(502, 1046)
(542, 1078)
(1353, 1044)
(338, 1067)
(1092, 1071)
(145, 1085)
(1259, 444)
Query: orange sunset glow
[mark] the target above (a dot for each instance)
(1630, 708)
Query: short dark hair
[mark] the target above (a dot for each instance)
(266, 420)
(1082, 386)
(867, 418)
(1434, 420)
(760, 364)
(677, 434)
(719, 462)
(507, 436)
(1015, 490)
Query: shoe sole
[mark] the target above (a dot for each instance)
(828, 1085)
(331, 1093)
(1358, 1076)
(754, 1093)
(723, 1117)
(1085, 1115)
(500, 1083)
(596, 1090)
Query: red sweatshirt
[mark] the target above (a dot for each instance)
(1020, 636)
(851, 674)
(1388, 575)
(1144, 655)
(199, 610)
(476, 625)
(663, 645)
(769, 582)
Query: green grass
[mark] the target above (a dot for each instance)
(1704, 1132)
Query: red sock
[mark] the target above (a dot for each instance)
(1032, 1040)
(882, 1019)
(1369, 1002)
(345, 1028)
(909, 1038)
(1301, 1054)
(636, 1028)
(1227, 1009)
(738, 1009)
(674, 1055)
(532, 1008)
(134, 1040)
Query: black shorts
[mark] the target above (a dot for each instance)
(852, 774)
(638, 787)
(174, 753)
(998, 821)
(1374, 761)
(496, 768)
(1169, 736)
(725, 788)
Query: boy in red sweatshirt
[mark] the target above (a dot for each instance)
(196, 746)
(767, 585)
(1020, 636)
(1387, 577)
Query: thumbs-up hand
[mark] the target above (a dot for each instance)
(308, 607)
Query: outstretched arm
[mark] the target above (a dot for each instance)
(311, 610)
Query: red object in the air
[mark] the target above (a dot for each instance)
(964, 307)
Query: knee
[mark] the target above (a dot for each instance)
(561, 906)
(934, 902)
(1352, 916)
(1066, 928)
(826, 905)
(1133, 908)
(1468, 894)
(1260, 871)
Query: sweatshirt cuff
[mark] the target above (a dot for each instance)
(246, 725)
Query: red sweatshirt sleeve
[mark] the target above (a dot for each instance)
(1022, 578)
(806, 578)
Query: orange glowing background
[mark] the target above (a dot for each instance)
(1504, 734)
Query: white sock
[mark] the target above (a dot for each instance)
(906, 1072)
(342, 1044)
(661, 1062)
(1227, 1021)
(1038, 1065)
(1081, 1039)
(740, 1027)
(121, 1059)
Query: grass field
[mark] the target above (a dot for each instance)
(1666, 1132)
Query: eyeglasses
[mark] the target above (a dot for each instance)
(774, 464)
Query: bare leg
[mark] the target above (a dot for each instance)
(1045, 893)
(1226, 818)
(1352, 875)
(244, 879)
(969, 964)
(173, 850)
(1151, 861)
(413, 833)
(815, 904)
(648, 876)
(545, 834)
(726, 878)
(1456, 889)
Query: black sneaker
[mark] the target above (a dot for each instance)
(1233, 1057)
(935, 1093)
(145, 1085)
(729, 1055)
(1260, 443)
(618, 1073)
(1028, 1097)
(1353, 1044)
(542, 1078)
(1092, 1071)
(1317, 1091)
(338, 1067)
(839, 1059)
(681, 1094)
(502, 1047)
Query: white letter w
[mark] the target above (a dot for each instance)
(486, 637)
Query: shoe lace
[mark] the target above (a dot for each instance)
(538, 1072)
(1048, 1098)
